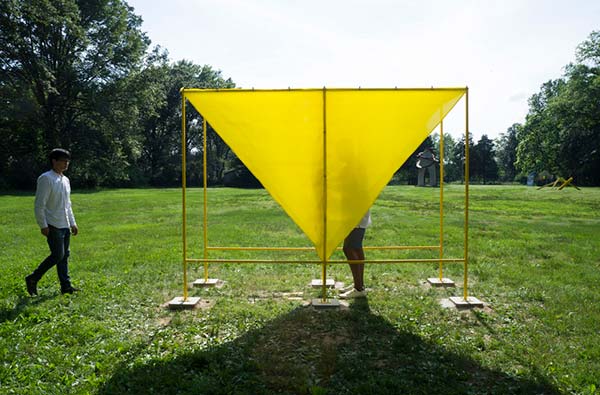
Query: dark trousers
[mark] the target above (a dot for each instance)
(58, 241)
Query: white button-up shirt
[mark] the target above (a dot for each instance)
(53, 201)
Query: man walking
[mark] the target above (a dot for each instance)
(55, 218)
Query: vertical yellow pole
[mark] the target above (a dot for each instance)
(324, 263)
(441, 198)
(183, 184)
(466, 243)
(205, 184)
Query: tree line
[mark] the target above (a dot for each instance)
(559, 138)
(82, 75)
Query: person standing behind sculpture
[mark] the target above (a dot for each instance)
(353, 249)
(55, 218)
(427, 160)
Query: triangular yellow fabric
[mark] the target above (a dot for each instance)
(279, 137)
(324, 155)
(370, 134)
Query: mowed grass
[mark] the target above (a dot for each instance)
(535, 261)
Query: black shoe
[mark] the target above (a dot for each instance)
(31, 285)
(69, 290)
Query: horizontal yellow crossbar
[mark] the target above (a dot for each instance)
(313, 248)
(194, 260)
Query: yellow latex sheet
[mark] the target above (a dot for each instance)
(324, 154)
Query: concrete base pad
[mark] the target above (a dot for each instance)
(470, 303)
(211, 282)
(178, 303)
(444, 282)
(327, 304)
(317, 283)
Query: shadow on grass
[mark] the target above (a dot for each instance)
(311, 351)
(10, 313)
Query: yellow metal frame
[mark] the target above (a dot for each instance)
(466, 242)
(324, 263)
(205, 260)
(183, 188)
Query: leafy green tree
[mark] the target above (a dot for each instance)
(539, 138)
(61, 63)
(457, 157)
(579, 112)
(159, 107)
(562, 130)
(452, 165)
(506, 153)
(483, 165)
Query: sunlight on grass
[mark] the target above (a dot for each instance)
(535, 259)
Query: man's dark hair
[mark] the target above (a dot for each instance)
(59, 153)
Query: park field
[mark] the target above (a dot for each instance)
(534, 261)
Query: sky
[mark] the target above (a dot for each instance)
(503, 51)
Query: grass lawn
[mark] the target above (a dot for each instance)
(535, 261)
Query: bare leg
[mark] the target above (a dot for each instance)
(358, 269)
